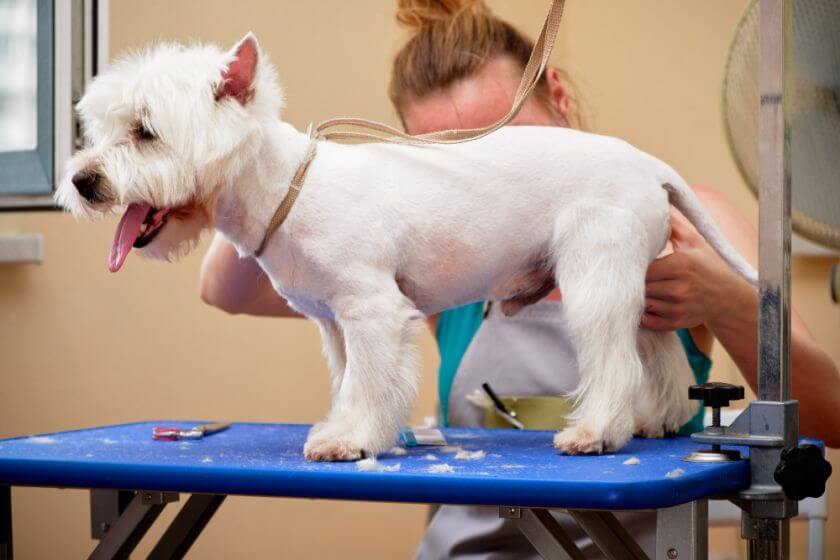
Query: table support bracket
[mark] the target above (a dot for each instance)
(126, 531)
(187, 526)
(543, 532)
(608, 535)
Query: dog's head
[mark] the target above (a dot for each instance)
(165, 130)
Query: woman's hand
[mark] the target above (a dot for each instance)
(690, 286)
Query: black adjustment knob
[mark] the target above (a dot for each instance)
(802, 472)
(715, 394)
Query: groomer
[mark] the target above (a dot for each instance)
(460, 69)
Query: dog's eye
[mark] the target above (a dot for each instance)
(143, 133)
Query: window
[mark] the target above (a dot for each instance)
(48, 51)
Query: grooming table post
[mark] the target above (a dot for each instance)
(768, 535)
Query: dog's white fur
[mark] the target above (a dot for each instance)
(384, 234)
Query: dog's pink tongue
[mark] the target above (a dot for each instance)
(127, 232)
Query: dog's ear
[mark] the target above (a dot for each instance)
(238, 77)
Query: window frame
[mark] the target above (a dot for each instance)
(76, 47)
(30, 172)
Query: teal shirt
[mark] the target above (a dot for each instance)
(457, 327)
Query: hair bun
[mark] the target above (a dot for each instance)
(418, 14)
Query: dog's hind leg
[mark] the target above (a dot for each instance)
(662, 405)
(601, 256)
(380, 379)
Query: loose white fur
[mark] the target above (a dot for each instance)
(372, 465)
(383, 235)
(470, 455)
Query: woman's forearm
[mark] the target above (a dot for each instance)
(815, 379)
(238, 285)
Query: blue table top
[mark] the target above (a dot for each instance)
(518, 468)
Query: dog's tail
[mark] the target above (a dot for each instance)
(682, 197)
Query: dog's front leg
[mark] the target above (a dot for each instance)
(379, 385)
(332, 340)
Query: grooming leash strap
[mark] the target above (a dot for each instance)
(380, 132)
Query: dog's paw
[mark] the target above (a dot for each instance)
(316, 429)
(652, 431)
(325, 448)
(663, 422)
(578, 440)
(658, 428)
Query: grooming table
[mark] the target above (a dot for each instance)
(133, 477)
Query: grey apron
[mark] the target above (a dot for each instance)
(527, 354)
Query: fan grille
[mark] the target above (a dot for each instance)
(814, 113)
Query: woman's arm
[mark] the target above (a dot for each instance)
(693, 288)
(238, 285)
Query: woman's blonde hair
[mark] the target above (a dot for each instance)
(452, 40)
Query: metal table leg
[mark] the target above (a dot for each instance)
(132, 524)
(6, 552)
(187, 526)
(543, 532)
(682, 532)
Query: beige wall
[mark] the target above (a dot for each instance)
(79, 346)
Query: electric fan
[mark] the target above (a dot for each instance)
(813, 114)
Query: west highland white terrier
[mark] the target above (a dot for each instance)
(189, 138)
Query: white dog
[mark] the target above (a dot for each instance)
(189, 138)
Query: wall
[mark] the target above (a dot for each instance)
(79, 346)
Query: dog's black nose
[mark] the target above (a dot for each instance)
(85, 182)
